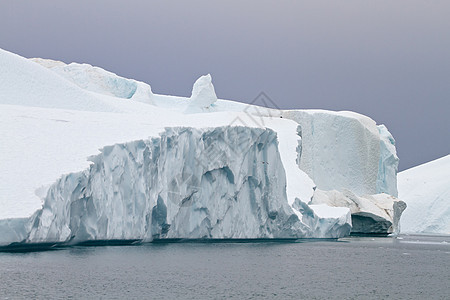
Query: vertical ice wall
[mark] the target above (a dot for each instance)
(388, 166)
(227, 182)
(339, 150)
(346, 150)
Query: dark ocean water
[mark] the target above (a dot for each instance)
(413, 267)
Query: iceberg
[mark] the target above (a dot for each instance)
(426, 191)
(88, 155)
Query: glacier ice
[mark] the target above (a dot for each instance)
(339, 150)
(168, 187)
(375, 214)
(14, 230)
(426, 191)
(388, 165)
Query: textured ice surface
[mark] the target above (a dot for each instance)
(14, 230)
(378, 213)
(340, 150)
(388, 165)
(169, 187)
(426, 191)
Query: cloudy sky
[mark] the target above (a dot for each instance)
(389, 60)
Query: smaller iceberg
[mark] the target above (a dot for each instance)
(426, 190)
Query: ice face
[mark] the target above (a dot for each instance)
(14, 230)
(340, 150)
(388, 165)
(219, 183)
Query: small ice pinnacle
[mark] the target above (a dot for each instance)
(203, 94)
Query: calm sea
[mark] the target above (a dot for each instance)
(412, 267)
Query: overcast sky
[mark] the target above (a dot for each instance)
(389, 60)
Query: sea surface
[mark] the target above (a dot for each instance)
(408, 267)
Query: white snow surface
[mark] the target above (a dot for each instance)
(54, 116)
(426, 191)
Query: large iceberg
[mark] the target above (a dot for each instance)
(426, 191)
(172, 167)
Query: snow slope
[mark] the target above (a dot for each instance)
(426, 191)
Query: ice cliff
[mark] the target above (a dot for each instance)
(346, 150)
(168, 187)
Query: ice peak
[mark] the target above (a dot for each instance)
(203, 93)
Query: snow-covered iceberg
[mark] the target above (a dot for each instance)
(426, 191)
(171, 167)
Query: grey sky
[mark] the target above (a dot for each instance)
(389, 60)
